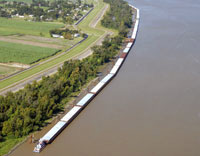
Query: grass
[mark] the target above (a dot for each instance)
(4, 70)
(9, 143)
(95, 34)
(27, 1)
(84, 25)
(20, 53)
(47, 65)
(99, 26)
(19, 26)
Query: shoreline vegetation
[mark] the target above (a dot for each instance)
(27, 110)
(95, 34)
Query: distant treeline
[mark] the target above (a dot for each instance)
(62, 31)
(26, 110)
(119, 17)
(43, 10)
(66, 33)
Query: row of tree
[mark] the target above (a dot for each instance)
(119, 17)
(42, 10)
(26, 110)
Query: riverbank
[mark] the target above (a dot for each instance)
(69, 105)
(79, 106)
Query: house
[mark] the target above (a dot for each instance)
(57, 36)
(50, 10)
(77, 35)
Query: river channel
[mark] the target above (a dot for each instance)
(152, 107)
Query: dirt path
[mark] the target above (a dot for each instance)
(9, 39)
(15, 65)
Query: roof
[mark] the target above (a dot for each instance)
(123, 55)
(126, 50)
(97, 87)
(138, 14)
(107, 78)
(85, 99)
(136, 23)
(129, 45)
(70, 114)
(53, 131)
(114, 70)
(135, 29)
(119, 62)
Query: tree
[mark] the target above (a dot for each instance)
(68, 36)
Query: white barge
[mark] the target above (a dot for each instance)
(51, 135)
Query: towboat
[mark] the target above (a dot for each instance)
(39, 147)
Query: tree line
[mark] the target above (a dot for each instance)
(66, 33)
(26, 110)
(42, 10)
(119, 17)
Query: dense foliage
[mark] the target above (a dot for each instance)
(25, 111)
(119, 17)
(66, 33)
(42, 10)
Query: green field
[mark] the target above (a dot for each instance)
(19, 26)
(20, 53)
(94, 35)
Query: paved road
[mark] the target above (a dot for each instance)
(20, 85)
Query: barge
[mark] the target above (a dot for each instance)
(65, 121)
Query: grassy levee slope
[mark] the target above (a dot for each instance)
(84, 26)
(19, 26)
(94, 35)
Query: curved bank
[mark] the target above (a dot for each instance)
(152, 107)
(75, 110)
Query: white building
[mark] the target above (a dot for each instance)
(76, 35)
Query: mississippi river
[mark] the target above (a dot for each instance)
(152, 107)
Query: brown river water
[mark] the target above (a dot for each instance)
(152, 107)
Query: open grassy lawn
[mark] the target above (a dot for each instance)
(19, 26)
(20, 53)
(9, 143)
(84, 25)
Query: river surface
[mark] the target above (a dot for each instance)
(152, 107)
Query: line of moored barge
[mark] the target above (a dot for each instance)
(50, 136)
